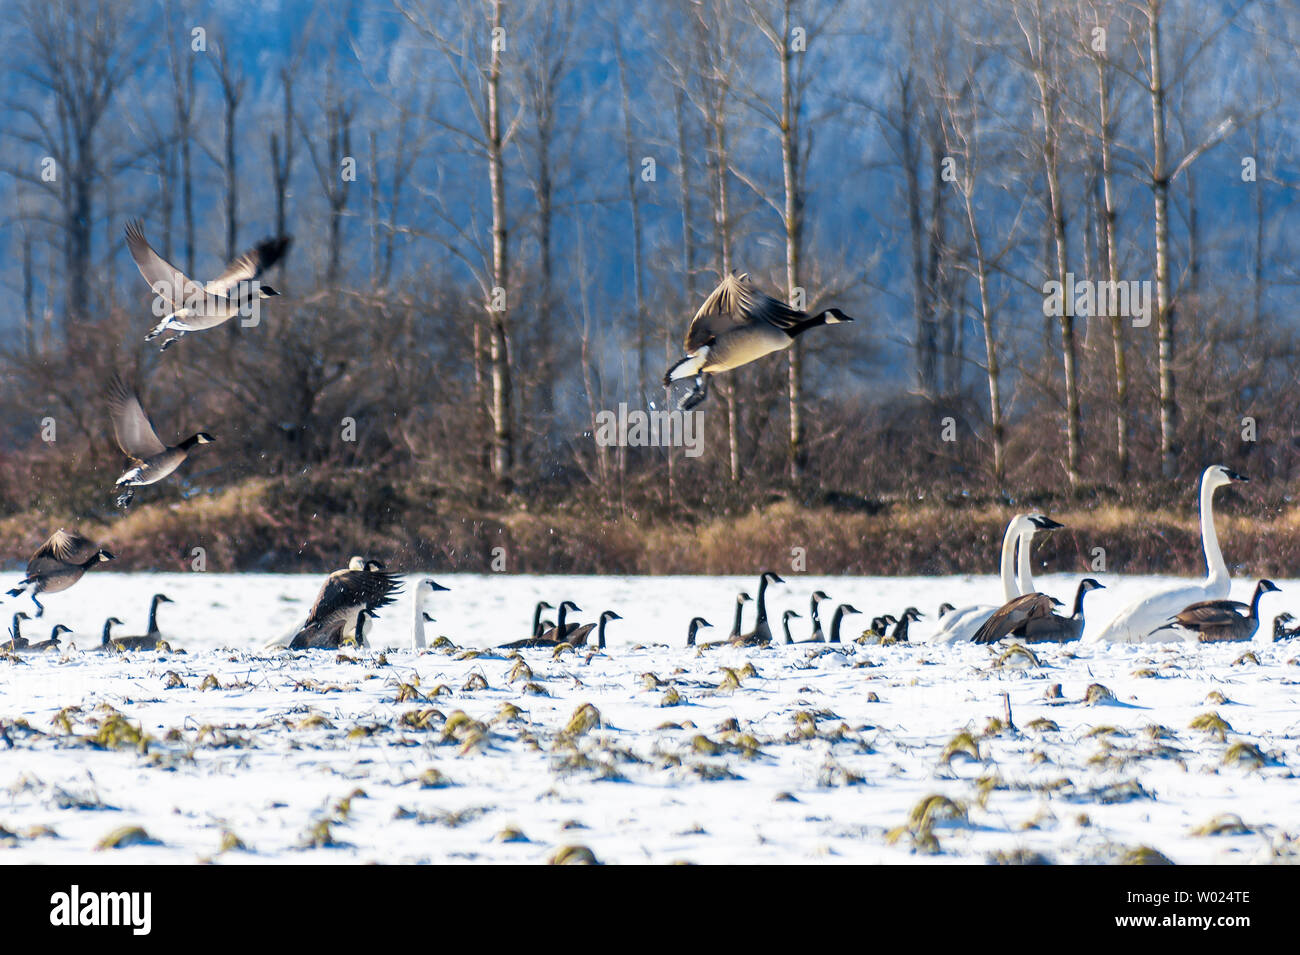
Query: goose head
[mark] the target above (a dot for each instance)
(1089, 584)
(835, 317)
(1267, 587)
(428, 617)
(743, 598)
(357, 563)
(911, 613)
(945, 607)
(162, 599)
(695, 624)
(770, 577)
(104, 555)
(203, 438)
(1041, 522)
(570, 605)
(820, 595)
(58, 629)
(374, 566)
(1283, 618)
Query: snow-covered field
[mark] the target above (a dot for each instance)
(784, 754)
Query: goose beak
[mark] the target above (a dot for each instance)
(1045, 523)
(1235, 477)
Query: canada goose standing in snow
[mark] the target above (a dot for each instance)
(45, 646)
(16, 639)
(153, 630)
(105, 639)
(193, 307)
(1280, 629)
(761, 635)
(424, 589)
(785, 625)
(900, 628)
(1057, 629)
(553, 636)
(838, 619)
(538, 628)
(151, 460)
(816, 636)
(736, 325)
(149, 641)
(694, 628)
(742, 598)
(578, 637)
(1149, 617)
(58, 564)
(362, 588)
(1220, 621)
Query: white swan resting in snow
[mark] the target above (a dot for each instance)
(1139, 622)
(1017, 578)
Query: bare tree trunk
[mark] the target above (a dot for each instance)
(1164, 305)
(1106, 132)
(634, 199)
(499, 348)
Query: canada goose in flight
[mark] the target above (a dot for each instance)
(738, 324)
(1036, 627)
(151, 460)
(785, 625)
(761, 635)
(1280, 629)
(1220, 621)
(361, 589)
(578, 637)
(424, 589)
(694, 628)
(742, 598)
(838, 619)
(556, 635)
(1148, 618)
(194, 307)
(58, 564)
(817, 636)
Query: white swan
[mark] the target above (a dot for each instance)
(1138, 622)
(424, 588)
(1017, 579)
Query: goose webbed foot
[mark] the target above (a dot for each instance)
(695, 395)
(171, 341)
(40, 610)
(126, 497)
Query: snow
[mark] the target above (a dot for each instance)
(270, 752)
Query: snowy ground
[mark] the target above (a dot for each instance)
(232, 753)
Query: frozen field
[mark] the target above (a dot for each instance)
(815, 754)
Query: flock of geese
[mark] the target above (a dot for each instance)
(352, 597)
(736, 325)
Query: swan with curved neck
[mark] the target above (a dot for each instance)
(1146, 620)
(961, 623)
(424, 589)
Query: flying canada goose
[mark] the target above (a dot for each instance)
(151, 460)
(838, 619)
(360, 589)
(961, 623)
(58, 564)
(900, 628)
(1221, 621)
(424, 589)
(1148, 618)
(742, 598)
(694, 628)
(738, 324)
(551, 637)
(16, 639)
(816, 636)
(1024, 617)
(1280, 629)
(785, 625)
(761, 635)
(578, 637)
(193, 307)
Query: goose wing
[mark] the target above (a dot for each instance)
(131, 426)
(64, 548)
(733, 303)
(249, 265)
(346, 592)
(1212, 613)
(162, 276)
(1012, 615)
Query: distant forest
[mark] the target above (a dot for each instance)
(505, 213)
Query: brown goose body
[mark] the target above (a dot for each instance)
(1055, 628)
(1223, 621)
(345, 596)
(1014, 614)
(552, 637)
(58, 564)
